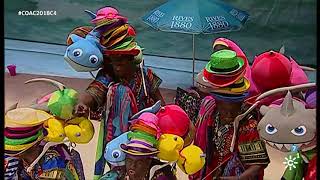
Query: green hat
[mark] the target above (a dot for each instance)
(224, 62)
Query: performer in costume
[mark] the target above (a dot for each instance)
(24, 143)
(233, 149)
(141, 150)
(123, 86)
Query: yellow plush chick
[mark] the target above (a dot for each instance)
(169, 146)
(191, 159)
(79, 130)
(55, 130)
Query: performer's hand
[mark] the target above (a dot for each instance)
(81, 110)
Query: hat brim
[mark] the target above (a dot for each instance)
(18, 135)
(24, 147)
(99, 18)
(230, 98)
(126, 42)
(106, 22)
(234, 90)
(216, 81)
(240, 64)
(27, 140)
(25, 117)
(124, 148)
(132, 52)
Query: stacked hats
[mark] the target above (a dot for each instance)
(143, 136)
(23, 129)
(224, 74)
(116, 34)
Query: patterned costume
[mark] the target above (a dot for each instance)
(215, 140)
(120, 101)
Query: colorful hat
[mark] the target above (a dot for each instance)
(142, 138)
(107, 13)
(140, 144)
(235, 47)
(224, 62)
(239, 87)
(25, 117)
(271, 70)
(224, 69)
(173, 120)
(148, 121)
(14, 133)
(216, 81)
(116, 36)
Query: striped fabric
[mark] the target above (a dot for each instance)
(11, 165)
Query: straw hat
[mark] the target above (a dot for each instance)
(25, 117)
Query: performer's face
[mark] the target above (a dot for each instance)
(122, 65)
(137, 168)
(228, 110)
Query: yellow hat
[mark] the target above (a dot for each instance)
(25, 117)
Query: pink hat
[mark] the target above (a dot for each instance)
(108, 13)
(150, 120)
(298, 76)
(234, 47)
(173, 120)
(271, 70)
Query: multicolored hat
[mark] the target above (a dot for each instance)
(224, 62)
(224, 69)
(217, 81)
(143, 136)
(146, 122)
(239, 87)
(140, 144)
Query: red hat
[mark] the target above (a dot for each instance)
(173, 120)
(271, 70)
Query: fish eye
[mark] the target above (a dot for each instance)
(271, 129)
(115, 153)
(93, 59)
(77, 52)
(175, 138)
(299, 131)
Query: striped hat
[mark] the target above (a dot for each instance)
(143, 136)
(23, 129)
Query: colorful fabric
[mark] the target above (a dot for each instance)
(215, 141)
(11, 165)
(188, 102)
(56, 163)
(120, 106)
(101, 92)
(98, 88)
